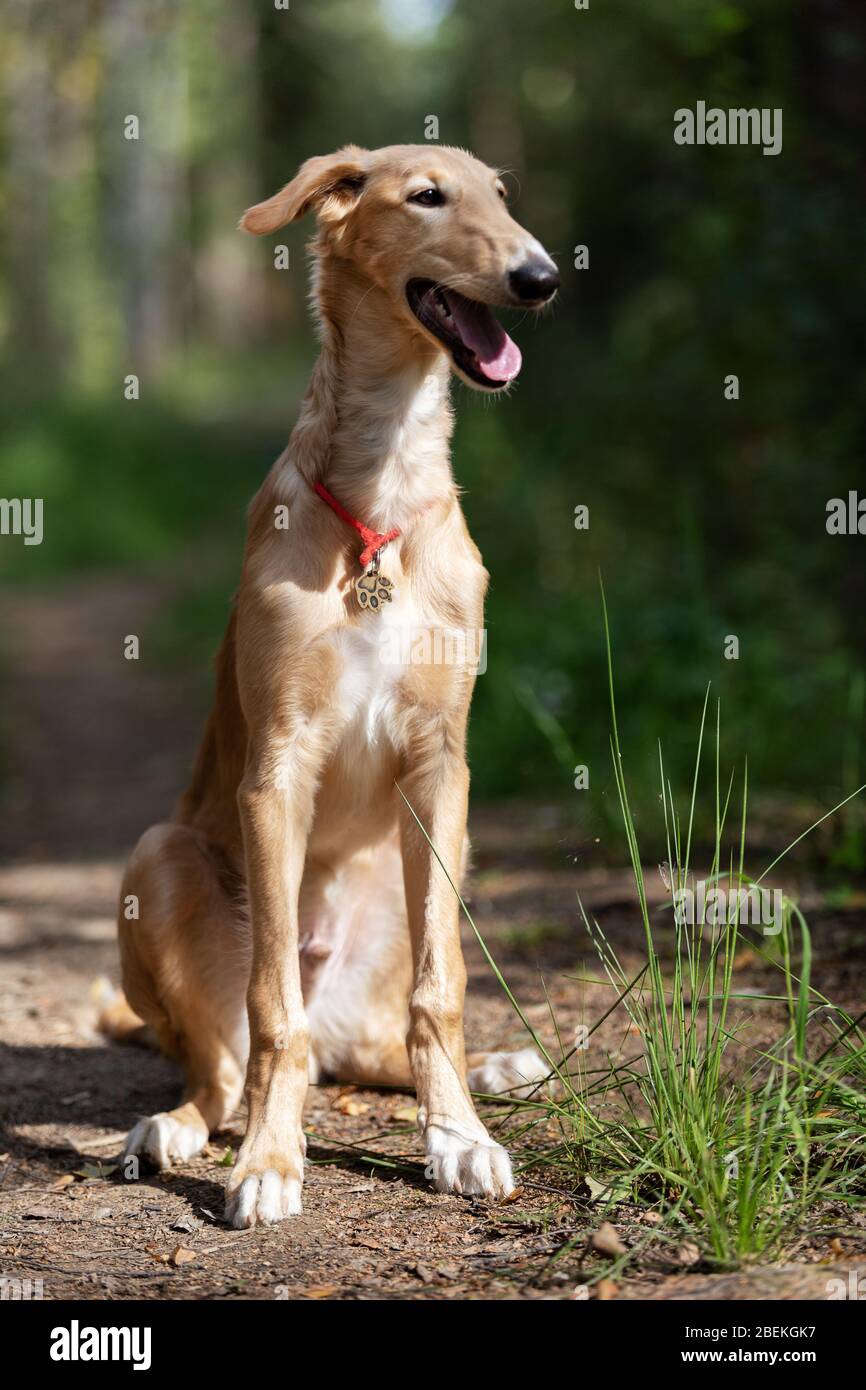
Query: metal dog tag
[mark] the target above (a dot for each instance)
(373, 589)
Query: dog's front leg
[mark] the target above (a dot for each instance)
(266, 1182)
(461, 1155)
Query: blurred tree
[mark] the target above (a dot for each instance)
(706, 515)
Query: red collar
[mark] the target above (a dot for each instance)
(373, 540)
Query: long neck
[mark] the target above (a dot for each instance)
(376, 421)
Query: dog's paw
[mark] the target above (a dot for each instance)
(515, 1074)
(165, 1140)
(467, 1162)
(263, 1197)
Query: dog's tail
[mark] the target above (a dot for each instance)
(116, 1019)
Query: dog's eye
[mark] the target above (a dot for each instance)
(428, 198)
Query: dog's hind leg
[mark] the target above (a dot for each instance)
(116, 1020)
(185, 964)
(356, 962)
(512, 1075)
(356, 968)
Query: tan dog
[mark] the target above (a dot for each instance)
(293, 921)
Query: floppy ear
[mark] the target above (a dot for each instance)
(330, 183)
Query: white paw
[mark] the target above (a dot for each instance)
(165, 1140)
(468, 1162)
(514, 1073)
(266, 1198)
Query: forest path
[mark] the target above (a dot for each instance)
(100, 750)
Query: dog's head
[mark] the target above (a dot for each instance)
(430, 227)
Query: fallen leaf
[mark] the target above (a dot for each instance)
(96, 1170)
(611, 1191)
(606, 1240)
(407, 1113)
(66, 1181)
(688, 1253)
(606, 1289)
(180, 1255)
(41, 1214)
(347, 1105)
(836, 1246)
(227, 1159)
(512, 1197)
(187, 1224)
(320, 1291)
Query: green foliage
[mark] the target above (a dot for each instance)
(736, 1145)
(125, 485)
(706, 515)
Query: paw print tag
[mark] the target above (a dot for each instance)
(373, 589)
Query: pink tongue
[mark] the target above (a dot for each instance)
(497, 356)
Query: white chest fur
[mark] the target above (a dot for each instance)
(374, 653)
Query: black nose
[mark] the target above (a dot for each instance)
(535, 279)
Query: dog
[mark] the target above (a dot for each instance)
(297, 918)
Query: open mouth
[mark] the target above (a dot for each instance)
(477, 342)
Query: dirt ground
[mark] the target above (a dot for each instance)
(99, 752)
